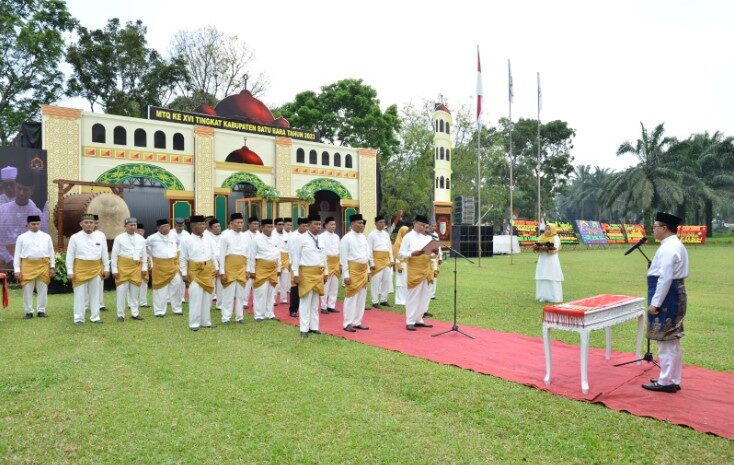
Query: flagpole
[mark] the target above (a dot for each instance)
(537, 170)
(478, 210)
(509, 74)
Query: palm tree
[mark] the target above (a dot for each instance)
(653, 183)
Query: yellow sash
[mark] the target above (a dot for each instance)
(358, 277)
(419, 269)
(129, 270)
(265, 270)
(332, 266)
(84, 270)
(311, 279)
(32, 268)
(382, 261)
(285, 261)
(202, 273)
(164, 270)
(235, 267)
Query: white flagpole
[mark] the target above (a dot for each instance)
(478, 210)
(512, 187)
(538, 161)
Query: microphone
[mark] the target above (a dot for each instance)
(637, 245)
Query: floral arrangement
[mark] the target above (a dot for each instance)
(268, 193)
(60, 275)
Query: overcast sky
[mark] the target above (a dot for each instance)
(605, 66)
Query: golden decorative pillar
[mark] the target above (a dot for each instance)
(204, 170)
(368, 186)
(62, 142)
(283, 147)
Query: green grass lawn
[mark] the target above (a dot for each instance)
(154, 392)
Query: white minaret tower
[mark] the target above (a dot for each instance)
(443, 151)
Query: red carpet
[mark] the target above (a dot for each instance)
(705, 403)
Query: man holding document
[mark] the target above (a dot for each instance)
(416, 251)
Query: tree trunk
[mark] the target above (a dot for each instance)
(709, 214)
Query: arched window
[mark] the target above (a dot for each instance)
(159, 140)
(120, 136)
(440, 125)
(325, 158)
(300, 156)
(348, 161)
(141, 138)
(440, 153)
(436, 153)
(436, 125)
(436, 182)
(337, 159)
(448, 183)
(178, 141)
(447, 127)
(448, 155)
(313, 157)
(99, 134)
(440, 182)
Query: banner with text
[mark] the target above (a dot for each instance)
(614, 233)
(692, 234)
(527, 231)
(566, 233)
(634, 232)
(591, 232)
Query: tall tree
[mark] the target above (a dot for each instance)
(114, 68)
(31, 47)
(585, 191)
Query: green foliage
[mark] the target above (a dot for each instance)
(122, 173)
(242, 177)
(60, 270)
(307, 194)
(192, 102)
(326, 184)
(32, 47)
(114, 68)
(268, 193)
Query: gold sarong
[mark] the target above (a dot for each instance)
(382, 261)
(358, 277)
(84, 270)
(265, 270)
(285, 261)
(311, 279)
(202, 273)
(164, 270)
(332, 266)
(235, 267)
(419, 269)
(129, 270)
(32, 268)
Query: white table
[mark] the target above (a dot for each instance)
(502, 244)
(586, 315)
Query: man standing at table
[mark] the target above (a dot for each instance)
(233, 254)
(263, 267)
(34, 265)
(420, 273)
(381, 247)
(198, 267)
(86, 255)
(329, 243)
(292, 246)
(355, 255)
(129, 268)
(309, 273)
(163, 251)
(282, 236)
(666, 297)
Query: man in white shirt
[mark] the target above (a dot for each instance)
(355, 256)
(198, 266)
(214, 234)
(179, 234)
(253, 230)
(163, 252)
(295, 236)
(233, 252)
(263, 267)
(103, 239)
(282, 236)
(419, 273)
(329, 242)
(143, 294)
(383, 262)
(129, 268)
(34, 265)
(309, 273)
(86, 255)
(666, 296)
(14, 217)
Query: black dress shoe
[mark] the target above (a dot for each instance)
(240, 322)
(178, 314)
(274, 318)
(428, 314)
(78, 323)
(362, 327)
(294, 314)
(385, 304)
(332, 310)
(194, 329)
(28, 316)
(410, 327)
(226, 322)
(655, 381)
(159, 316)
(314, 331)
(376, 306)
(660, 387)
(120, 319)
(304, 334)
(137, 317)
(42, 315)
(98, 322)
(102, 308)
(350, 329)
(423, 325)
(325, 311)
(209, 326)
(433, 298)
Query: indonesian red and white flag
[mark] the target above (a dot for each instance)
(479, 90)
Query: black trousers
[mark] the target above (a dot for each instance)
(295, 300)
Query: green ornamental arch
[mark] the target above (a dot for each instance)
(243, 177)
(120, 174)
(324, 184)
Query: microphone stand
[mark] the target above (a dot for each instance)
(455, 327)
(648, 355)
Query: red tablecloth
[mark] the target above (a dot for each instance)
(579, 307)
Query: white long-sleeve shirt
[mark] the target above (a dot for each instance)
(306, 252)
(197, 249)
(103, 239)
(329, 243)
(161, 246)
(411, 242)
(281, 239)
(264, 248)
(86, 247)
(179, 236)
(232, 243)
(131, 246)
(33, 245)
(670, 262)
(379, 241)
(353, 248)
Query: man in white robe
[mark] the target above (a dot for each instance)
(263, 267)
(163, 252)
(329, 243)
(355, 256)
(86, 257)
(129, 263)
(233, 255)
(198, 267)
(379, 241)
(419, 273)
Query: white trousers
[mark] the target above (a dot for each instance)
(233, 296)
(200, 306)
(416, 303)
(170, 292)
(308, 312)
(671, 362)
(42, 299)
(331, 289)
(433, 286)
(284, 286)
(218, 292)
(401, 285)
(262, 302)
(87, 291)
(381, 285)
(354, 308)
(128, 294)
(101, 296)
(143, 293)
(248, 291)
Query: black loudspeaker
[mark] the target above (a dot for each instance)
(464, 239)
(464, 210)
